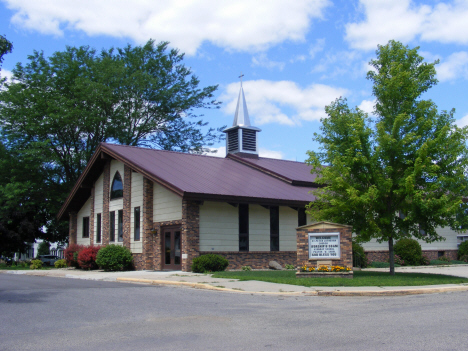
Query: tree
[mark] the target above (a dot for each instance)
(400, 175)
(5, 47)
(63, 106)
(43, 248)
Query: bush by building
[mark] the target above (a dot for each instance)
(409, 250)
(71, 255)
(463, 251)
(87, 257)
(209, 263)
(114, 258)
(359, 256)
(36, 264)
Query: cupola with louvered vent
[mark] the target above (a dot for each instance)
(241, 138)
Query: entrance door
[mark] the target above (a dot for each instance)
(171, 248)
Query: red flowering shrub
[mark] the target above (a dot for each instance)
(87, 257)
(71, 254)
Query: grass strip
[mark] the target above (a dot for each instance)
(361, 278)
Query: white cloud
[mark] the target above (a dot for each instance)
(462, 122)
(367, 106)
(262, 152)
(282, 102)
(317, 47)
(403, 20)
(220, 151)
(263, 61)
(238, 25)
(455, 66)
(6, 73)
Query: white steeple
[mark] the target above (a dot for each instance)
(241, 138)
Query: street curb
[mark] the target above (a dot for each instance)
(205, 286)
(402, 292)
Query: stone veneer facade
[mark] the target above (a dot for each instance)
(382, 256)
(255, 259)
(346, 257)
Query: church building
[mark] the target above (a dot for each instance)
(169, 207)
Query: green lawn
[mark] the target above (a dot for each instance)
(361, 278)
(20, 268)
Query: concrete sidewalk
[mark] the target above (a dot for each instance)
(206, 281)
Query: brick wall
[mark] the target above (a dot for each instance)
(147, 221)
(91, 219)
(346, 258)
(72, 227)
(127, 204)
(382, 256)
(138, 262)
(105, 204)
(255, 259)
(190, 232)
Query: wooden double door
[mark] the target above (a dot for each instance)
(171, 243)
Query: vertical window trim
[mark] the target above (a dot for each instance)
(136, 223)
(98, 228)
(301, 217)
(120, 226)
(244, 222)
(274, 228)
(85, 229)
(112, 226)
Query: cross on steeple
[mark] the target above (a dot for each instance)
(241, 75)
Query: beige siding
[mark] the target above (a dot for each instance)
(259, 228)
(219, 227)
(450, 242)
(167, 206)
(287, 228)
(137, 201)
(85, 211)
(98, 194)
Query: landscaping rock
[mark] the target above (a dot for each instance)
(275, 265)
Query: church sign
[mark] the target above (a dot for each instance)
(324, 246)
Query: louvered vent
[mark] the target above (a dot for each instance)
(249, 142)
(233, 140)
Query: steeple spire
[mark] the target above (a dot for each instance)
(241, 117)
(242, 137)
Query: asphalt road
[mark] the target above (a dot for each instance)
(42, 313)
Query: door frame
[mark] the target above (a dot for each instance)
(172, 229)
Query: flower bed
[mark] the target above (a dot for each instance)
(324, 272)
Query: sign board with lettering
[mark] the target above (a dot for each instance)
(324, 246)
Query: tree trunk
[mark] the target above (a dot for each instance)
(391, 256)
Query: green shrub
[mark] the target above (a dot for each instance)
(463, 251)
(60, 263)
(424, 261)
(36, 264)
(359, 256)
(246, 268)
(114, 258)
(43, 248)
(444, 259)
(409, 251)
(290, 266)
(209, 263)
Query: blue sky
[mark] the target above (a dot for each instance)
(296, 56)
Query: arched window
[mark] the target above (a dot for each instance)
(117, 187)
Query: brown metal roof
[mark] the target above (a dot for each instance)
(202, 177)
(297, 173)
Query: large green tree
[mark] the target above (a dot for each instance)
(5, 47)
(401, 174)
(63, 106)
